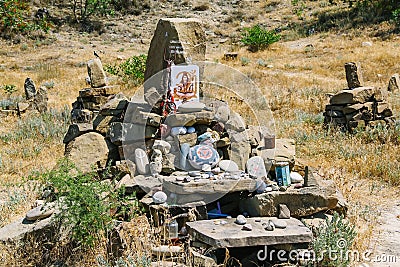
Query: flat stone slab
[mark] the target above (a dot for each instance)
(207, 186)
(230, 234)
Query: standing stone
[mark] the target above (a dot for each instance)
(353, 75)
(96, 73)
(256, 168)
(88, 150)
(185, 148)
(239, 152)
(394, 83)
(152, 96)
(184, 35)
(142, 161)
(222, 113)
(40, 99)
(235, 123)
(30, 89)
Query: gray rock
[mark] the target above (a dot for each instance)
(183, 160)
(269, 226)
(228, 166)
(96, 73)
(285, 151)
(206, 168)
(255, 167)
(301, 202)
(126, 132)
(222, 113)
(22, 107)
(159, 197)
(180, 119)
(145, 118)
(89, 150)
(358, 95)
(156, 167)
(75, 130)
(353, 75)
(191, 107)
(284, 212)
(40, 100)
(394, 83)
(40, 212)
(142, 161)
(102, 123)
(235, 123)
(152, 96)
(187, 34)
(128, 183)
(163, 146)
(239, 152)
(241, 220)
(203, 117)
(190, 139)
(247, 227)
(30, 89)
(279, 223)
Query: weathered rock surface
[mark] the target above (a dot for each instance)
(235, 123)
(358, 95)
(300, 202)
(96, 73)
(30, 89)
(180, 34)
(89, 149)
(75, 130)
(126, 132)
(353, 75)
(394, 83)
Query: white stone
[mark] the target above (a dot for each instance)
(228, 165)
(247, 227)
(279, 223)
(40, 212)
(241, 220)
(159, 197)
(178, 130)
(142, 161)
(296, 177)
(256, 168)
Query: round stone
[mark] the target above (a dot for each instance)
(191, 129)
(194, 173)
(178, 130)
(200, 155)
(159, 197)
(228, 165)
(247, 227)
(241, 220)
(296, 177)
(280, 223)
(40, 212)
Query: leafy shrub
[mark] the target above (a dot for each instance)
(15, 17)
(86, 204)
(9, 89)
(131, 71)
(334, 240)
(259, 38)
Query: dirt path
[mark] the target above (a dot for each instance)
(386, 243)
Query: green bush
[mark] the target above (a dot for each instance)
(259, 38)
(87, 205)
(333, 242)
(15, 17)
(131, 71)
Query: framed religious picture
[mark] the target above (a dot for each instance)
(185, 83)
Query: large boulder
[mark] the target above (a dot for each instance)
(96, 73)
(88, 150)
(301, 202)
(358, 95)
(184, 35)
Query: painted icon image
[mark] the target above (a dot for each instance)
(185, 83)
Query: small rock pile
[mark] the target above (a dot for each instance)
(358, 106)
(90, 100)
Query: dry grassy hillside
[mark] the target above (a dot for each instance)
(295, 74)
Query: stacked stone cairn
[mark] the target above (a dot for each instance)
(90, 100)
(358, 106)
